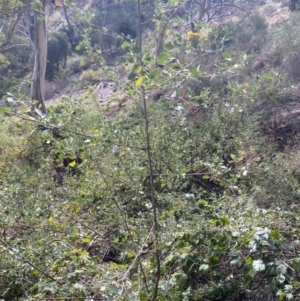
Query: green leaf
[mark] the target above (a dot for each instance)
(189, 196)
(296, 264)
(202, 203)
(186, 169)
(3, 110)
(206, 177)
(203, 267)
(236, 261)
(148, 57)
(272, 96)
(134, 269)
(41, 17)
(213, 260)
(228, 37)
(275, 235)
(169, 46)
(24, 109)
(177, 43)
(131, 255)
(155, 73)
(258, 265)
(163, 58)
(280, 278)
(193, 70)
(132, 75)
(225, 220)
(251, 273)
(180, 278)
(126, 46)
(248, 261)
(138, 69)
(136, 49)
(47, 288)
(78, 286)
(226, 56)
(280, 295)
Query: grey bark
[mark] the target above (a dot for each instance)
(159, 43)
(40, 59)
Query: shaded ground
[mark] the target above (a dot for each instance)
(104, 91)
(281, 121)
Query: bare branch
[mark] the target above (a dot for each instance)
(17, 252)
(12, 30)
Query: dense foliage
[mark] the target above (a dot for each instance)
(183, 186)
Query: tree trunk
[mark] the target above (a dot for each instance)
(159, 43)
(40, 59)
(67, 17)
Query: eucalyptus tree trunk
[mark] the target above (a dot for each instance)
(40, 59)
(159, 43)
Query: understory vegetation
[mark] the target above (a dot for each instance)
(184, 185)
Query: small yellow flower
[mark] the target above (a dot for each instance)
(193, 37)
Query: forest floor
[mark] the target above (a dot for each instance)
(104, 91)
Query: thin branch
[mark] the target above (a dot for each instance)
(29, 262)
(78, 221)
(16, 45)
(236, 6)
(155, 226)
(104, 31)
(185, 175)
(71, 298)
(113, 198)
(12, 30)
(143, 274)
(153, 201)
(141, 251)
(20, 225)
(164, 12)
(54, 127)
(182, 70)
(66, 6)
(60, 240)
(50, 126)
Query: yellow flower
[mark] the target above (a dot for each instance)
(193, 37)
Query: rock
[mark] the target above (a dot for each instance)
(3, 103)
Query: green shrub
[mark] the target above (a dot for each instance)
(90, 76)
(212, 233)
(250, 34)
(77, 63)
(57, 52)
(77, 194)
(282, 46)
